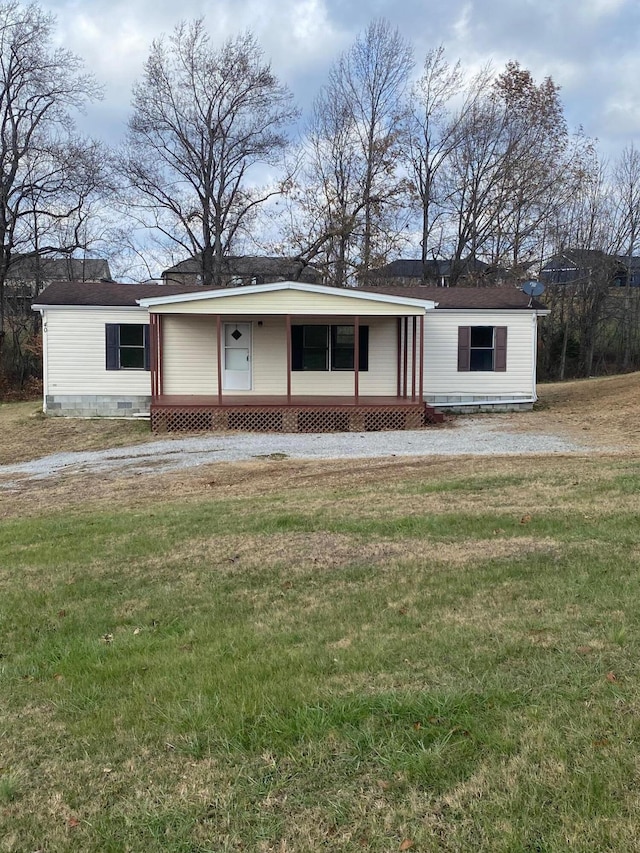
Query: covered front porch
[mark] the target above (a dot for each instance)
(330, 361)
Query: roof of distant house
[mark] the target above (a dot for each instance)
(33, 267)
(245, 265)
(112, 294)
(575, 259)
(411, 268)
(583, 258)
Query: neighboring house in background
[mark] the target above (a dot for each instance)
(244, 270)
(30, 273)
(628, 270)
(430, 273)
(582, 266)
(286, 356)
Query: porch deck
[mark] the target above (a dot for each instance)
(304, 413)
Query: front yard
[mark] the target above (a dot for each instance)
(287, 656)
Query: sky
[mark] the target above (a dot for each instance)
(588, 47)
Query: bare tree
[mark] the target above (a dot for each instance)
(331, 196)
(536, 147)
(477, 176)
(502, 170)
(578, 238)
(202, 120)
(48, 174)
(365, 90)
(430, 135)
(626, 194)
(345, 206)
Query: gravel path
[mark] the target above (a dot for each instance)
(475, 436)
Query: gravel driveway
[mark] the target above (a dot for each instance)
(475, 436)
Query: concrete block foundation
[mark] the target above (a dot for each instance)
(96, 405)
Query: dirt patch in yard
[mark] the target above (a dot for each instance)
(302, 552)
(28, 434)
(600, 412)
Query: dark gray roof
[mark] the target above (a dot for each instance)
(246, 265)
(31, 267)
(108, 293)
(576, 259)
(460, 298)
(633, 262)
(575, 265)
(112, 294)
(409, 268)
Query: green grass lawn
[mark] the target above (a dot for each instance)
(446, 659)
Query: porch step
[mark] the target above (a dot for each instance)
(431, 416)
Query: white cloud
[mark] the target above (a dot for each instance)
(461, 27)
(596, 9)
(588, 47)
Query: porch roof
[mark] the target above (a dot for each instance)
(288, 297)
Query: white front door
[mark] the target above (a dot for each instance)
(236, 363)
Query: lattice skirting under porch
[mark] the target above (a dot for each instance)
(291, 419)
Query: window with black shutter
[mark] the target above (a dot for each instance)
(127, 346)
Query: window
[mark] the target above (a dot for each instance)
(482, 348)
(342, 347)
(315, 349)
(319, 347)
(127, 346)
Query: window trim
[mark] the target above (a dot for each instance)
(113, 347)
(499, 349)
(298, 348)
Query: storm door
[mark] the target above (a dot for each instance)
(237, 357)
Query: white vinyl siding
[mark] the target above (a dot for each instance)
(270, 356)
(76, 352)
(441, 355)
(190, 362)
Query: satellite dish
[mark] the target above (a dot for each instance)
(533, 288)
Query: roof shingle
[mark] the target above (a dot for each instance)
(108, 294)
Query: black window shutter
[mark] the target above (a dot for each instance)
(500, 360)
(363, 349)
(112, 339)
(147, 347)
(297, 335)
(464, 347)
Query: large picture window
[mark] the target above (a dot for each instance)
(320, 347)
(127, 346)
(482, 348)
